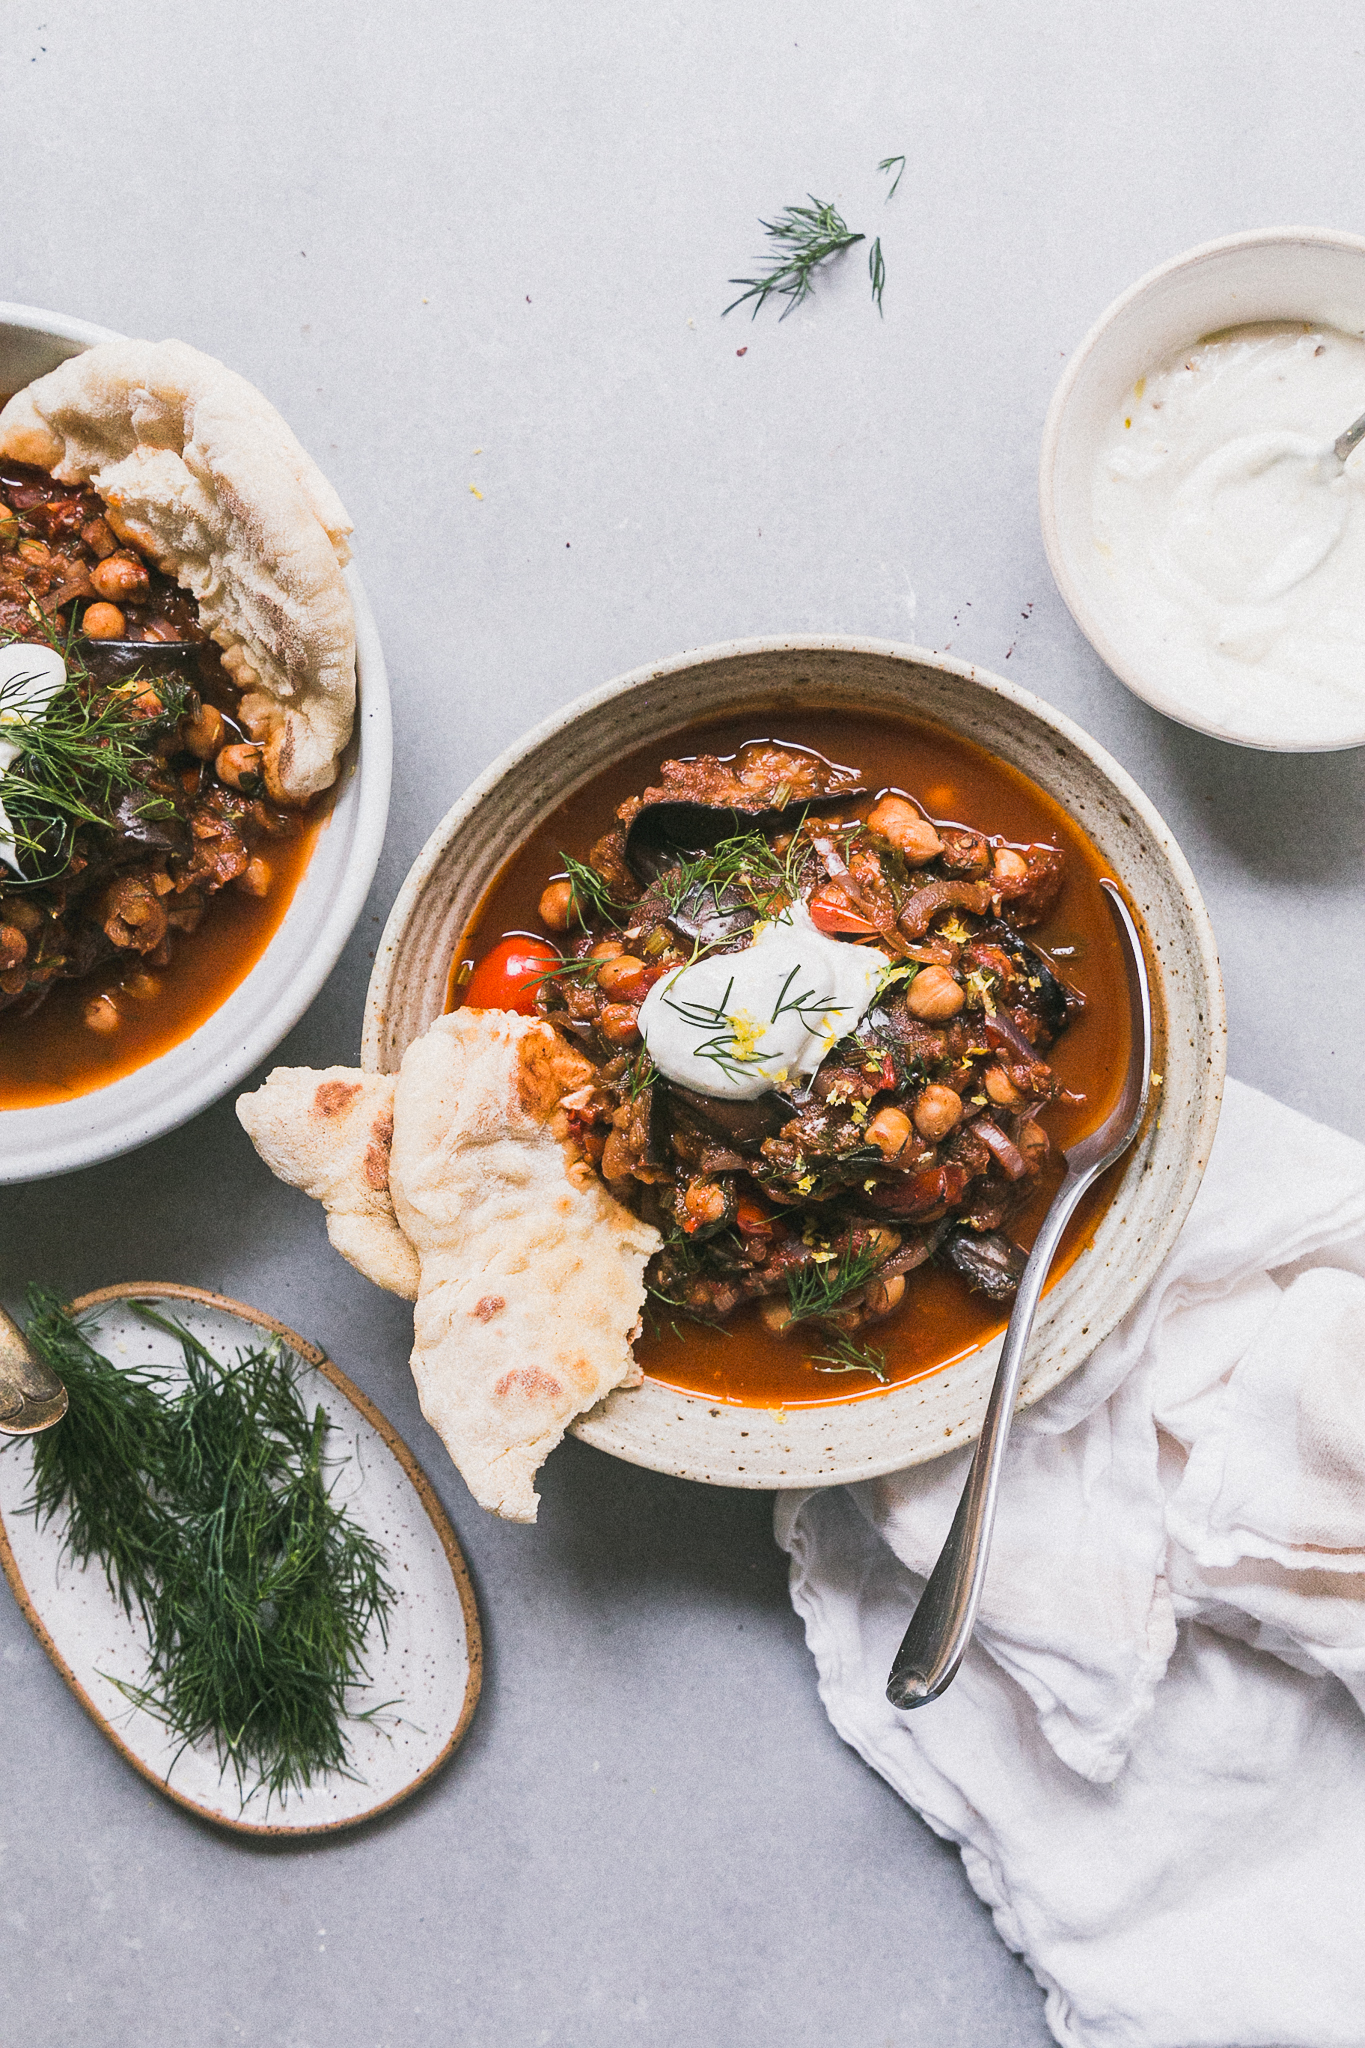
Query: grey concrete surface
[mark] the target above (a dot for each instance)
(489, 245)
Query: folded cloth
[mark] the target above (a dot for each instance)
(1153, 1757)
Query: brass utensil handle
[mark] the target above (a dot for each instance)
(31, 1395)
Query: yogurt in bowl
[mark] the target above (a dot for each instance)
(1206, 539)
(1236, 536)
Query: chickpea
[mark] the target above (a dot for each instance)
(142, 987)
(162, 629)
(103, 622)
(1009, 866)
(908, 830)
(889, 1130)
(705, 1202)
(607, 949)
(254, 879)
(35, 551)
(13, 947)
(619, 1023)
(1002, 1090)
(204, 732)
(934, 996)
(937, 1111)
(556, 906)
(622, 976)
(240, 768)
(100, 1014)
(1034, 1143)
(121, 578)
(775, 1313)
(884, 1295)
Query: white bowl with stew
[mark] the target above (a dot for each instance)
(57, 1136)
(775, 684)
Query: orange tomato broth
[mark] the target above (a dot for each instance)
(939, 1320)
(53, 1056)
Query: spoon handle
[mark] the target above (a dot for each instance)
(941, 1626)
(31, 1395)
(1351, 439)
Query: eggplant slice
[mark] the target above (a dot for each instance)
(987, 1260)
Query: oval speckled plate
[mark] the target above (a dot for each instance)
(841, 1441)
(430, 1667)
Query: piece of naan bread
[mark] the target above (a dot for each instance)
(329, 1133)
(199, 471)
(532, 1276)
(528, 1276)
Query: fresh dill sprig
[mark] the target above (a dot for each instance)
(639, 1075)
(893, 163)
(210, 1510)
(744, 864)
(846, 1354)
(803, 237)
(821, 1287)
(90, 748)
(876, 270)
(591, 891)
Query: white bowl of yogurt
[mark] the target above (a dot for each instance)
(1208, 543)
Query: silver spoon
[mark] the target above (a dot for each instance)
(31, 1395)
(941, 1627)
(1346, 443)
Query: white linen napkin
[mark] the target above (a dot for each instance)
(1154, 1757)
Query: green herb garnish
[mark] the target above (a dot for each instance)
(591, 891)
(893, 163)
(89, 748)
(824, 1285)
(803, 238)
(876, 270)
(209, 1508)
(846, 1354)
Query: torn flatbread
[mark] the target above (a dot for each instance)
(532, 1277)
(329, 1133)
(199, 471)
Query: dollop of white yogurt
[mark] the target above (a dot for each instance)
(737, 1024)
(1232, 539)
(30, 677)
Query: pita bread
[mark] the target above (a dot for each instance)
(532, 1277)
(200, 472)
(329, 1133)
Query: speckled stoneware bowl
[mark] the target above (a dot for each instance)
(778, 680)
(166, 1092)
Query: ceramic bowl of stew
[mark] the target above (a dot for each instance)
(69, 1095)
(744, 1406)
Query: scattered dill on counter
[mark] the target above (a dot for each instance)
(876, 270)
(896, 164)
(803, 237)
(209, 1508)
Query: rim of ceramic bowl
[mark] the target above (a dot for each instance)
(690, 1435)
(53, 1138)
(1086, 614)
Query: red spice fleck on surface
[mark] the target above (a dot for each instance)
(741, 351)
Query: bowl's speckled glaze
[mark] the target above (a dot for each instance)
(730, 1445)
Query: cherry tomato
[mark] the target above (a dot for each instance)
(506, 978)
(831, 911)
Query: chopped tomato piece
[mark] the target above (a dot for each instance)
(506, 978)
(831, 911)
